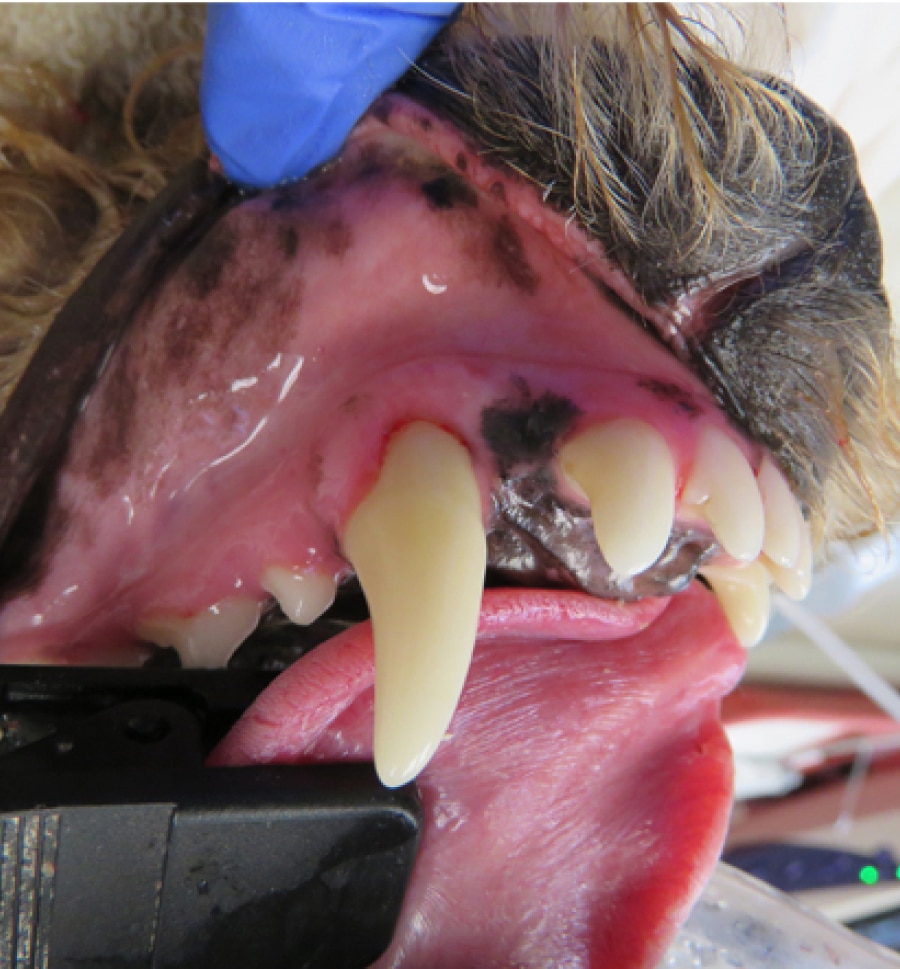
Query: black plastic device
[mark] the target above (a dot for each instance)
(120, 850)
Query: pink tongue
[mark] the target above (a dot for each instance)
(577, 808)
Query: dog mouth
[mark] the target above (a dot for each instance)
(409, 373)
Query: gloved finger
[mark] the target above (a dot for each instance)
(284, 84)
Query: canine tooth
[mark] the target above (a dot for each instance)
(627, 472)
(784, 520)
(796, 580)
(418, 546)
(743, 593)
(208, 638)
(303, 596)
(723, 486)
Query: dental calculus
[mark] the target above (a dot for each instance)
(417, 543)
(628, 475)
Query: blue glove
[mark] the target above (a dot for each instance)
(284, 84)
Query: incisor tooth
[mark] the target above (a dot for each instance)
(784, 520)
(796, 580)
(303, 596)
(743, 593)
(626, 470)
(724, 488)
(208, 638)
(418, 546)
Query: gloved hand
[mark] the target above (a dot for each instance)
(283, 84)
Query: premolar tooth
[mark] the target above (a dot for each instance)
(796, 580)
(208, 638)
(784, 520)
(743, 593)
(418, 546)
(724, 488)
(627, 472)
(303, 596)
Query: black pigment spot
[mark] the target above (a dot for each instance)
(186, 329)
(334, 237)
(462, 163)
(116, 424)
(498, 191)
(448, 191)
(286, 199)
(383, 111)
(509, 255)
(373, 161)
(288, 240)
(526, 430)
(673, 394)
(204, 267)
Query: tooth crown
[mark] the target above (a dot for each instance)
(785, 529)
(207, 639)
(628, 474)
(723, 488)
(303, 595)
(417, 543)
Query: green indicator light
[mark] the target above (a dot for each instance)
(898, 873)
(868, 875)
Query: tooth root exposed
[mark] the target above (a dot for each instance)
(784, 520)
(743, 593)
(418, 546)
(208, 638)
(795, 582)
(303, 596)
(723, 487)
(627, 472)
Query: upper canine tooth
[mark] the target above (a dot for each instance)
(784, 520)
(418, 546)
(627, 472)
(743, 594)
(723, 486)
(795, 581)
(208, 638)
(303, 596)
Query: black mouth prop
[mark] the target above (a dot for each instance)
(107, 803)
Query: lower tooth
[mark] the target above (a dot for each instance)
(303, 596)
(743, 594)
(208, 638)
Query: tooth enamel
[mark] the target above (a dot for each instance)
(208, 638)
(418, 546)
(627, 472)
(743, 594)
(784, 520)
(724, 488)
(796, 580)
(303, 596)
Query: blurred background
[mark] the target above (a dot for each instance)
(817, 761)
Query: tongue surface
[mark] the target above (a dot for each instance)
(581, 798)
